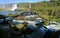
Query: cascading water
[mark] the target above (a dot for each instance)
(14, 7)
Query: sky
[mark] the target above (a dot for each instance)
(18, 1)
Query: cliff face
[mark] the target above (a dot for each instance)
(8, 6)
(49, 8)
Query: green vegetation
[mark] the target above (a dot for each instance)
(49, 10)
(1, 9)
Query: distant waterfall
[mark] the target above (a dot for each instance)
(29, 5)
(14, 7)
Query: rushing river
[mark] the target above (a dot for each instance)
(8, 12)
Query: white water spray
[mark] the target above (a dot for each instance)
(14, 7)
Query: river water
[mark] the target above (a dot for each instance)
(9, 12)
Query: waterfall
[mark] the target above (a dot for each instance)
(14, 7)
